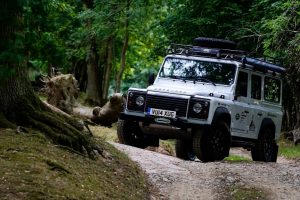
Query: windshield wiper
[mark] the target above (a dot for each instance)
(199, 78)
(177, 77)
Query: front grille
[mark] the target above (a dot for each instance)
(168, 103)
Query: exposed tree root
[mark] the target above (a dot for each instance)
(61, 129)
(4, 123)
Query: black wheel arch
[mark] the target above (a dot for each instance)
(267, 122)
(222, 113)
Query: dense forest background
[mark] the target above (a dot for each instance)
(112, 45)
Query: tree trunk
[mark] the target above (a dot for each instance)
(107, 68)
(123, 54)
(297, 125)
(18, 103)
(13, 80)
(93, 89)
(93, 96)
(80, 73)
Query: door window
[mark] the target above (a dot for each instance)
(272, 89)
(255, 87)
(242, 84)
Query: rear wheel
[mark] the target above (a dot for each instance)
(184, 150)
(214, 144)
(265, 149)
(129, 133)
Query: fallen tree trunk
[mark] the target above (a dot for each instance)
(109, 113)
(62, 94)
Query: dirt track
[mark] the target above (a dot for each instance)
(177, 179)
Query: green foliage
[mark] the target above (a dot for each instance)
(235, 158)
(49, 24)
(289, 150)
(59, 33)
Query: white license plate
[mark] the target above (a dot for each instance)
(162, 113)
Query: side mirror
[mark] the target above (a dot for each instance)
(151, 79)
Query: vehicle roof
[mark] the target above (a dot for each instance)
(236, 56)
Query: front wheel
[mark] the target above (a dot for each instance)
(129, 133)
(265, 149)
(184, 150)
(213, 144)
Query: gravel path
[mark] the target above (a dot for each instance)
(176, 179)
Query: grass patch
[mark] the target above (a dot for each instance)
(31, 167)
(288, 149)
(168, 145)
(235, 158)
(107, 134)
(247, 193)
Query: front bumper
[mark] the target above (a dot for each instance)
(145, 119)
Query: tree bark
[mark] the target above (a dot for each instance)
(107, 68)
(93, 96)
(123, 54)
(18, 103)
(93, 89)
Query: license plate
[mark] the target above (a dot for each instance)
(162, 113)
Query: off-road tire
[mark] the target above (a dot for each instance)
(213, 144)
(184, 150)
(265, 148)
(214, 43)
(129, 133)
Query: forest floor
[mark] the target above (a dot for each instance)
(234, 178)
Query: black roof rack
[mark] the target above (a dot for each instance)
(263, 65)
(237, 55)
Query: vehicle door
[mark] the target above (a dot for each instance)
(241, 114)
(257, 109)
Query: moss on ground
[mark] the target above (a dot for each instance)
(247, 193)
(31, 167)
(236, 159)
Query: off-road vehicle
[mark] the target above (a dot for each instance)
(209, 97)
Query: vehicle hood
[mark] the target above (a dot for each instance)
(190, 88)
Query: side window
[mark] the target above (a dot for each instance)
(255, 87)
(272, 89)
(242, 84)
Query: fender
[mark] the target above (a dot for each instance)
(222, 113)
(267, 122)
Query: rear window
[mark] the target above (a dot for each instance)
(272, 89)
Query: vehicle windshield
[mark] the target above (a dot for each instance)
(195, 70)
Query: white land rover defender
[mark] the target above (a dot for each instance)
(209, 97)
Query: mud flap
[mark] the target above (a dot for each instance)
(275, 153)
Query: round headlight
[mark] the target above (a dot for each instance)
(197, 108)
(140, 101)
